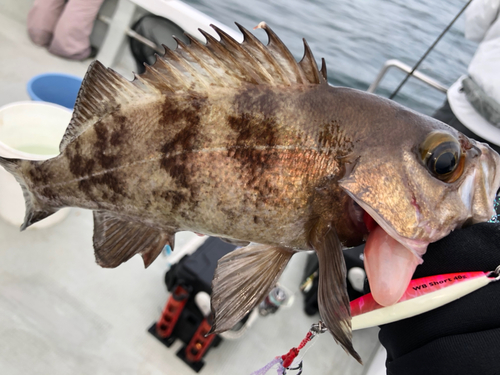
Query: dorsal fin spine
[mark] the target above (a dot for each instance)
(209, 52)
(189, 50)
(250, 42)
(176, 75)
(176, 61)
(177, 54)
(275, 42)
(233, 46)
(217, 64)
(101, 90)
(222, 64)
(217, 49)
(156, 78)
(139, 79)
(308, 64)
(323, 70)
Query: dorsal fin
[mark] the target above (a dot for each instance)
(323, 69)
(263, 55)
(194, 67)
(102, 91)
(283, 55)
(309, 66)
(228, 63)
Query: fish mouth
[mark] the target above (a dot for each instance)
(390, 259)
(357, 215)
(365, 220)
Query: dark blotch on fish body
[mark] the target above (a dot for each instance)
(176, 198)
(254, 130)
(102, 153)
(108, 179)
(187, 117)
(80, 167)
(120, 134)
(253, 101)
(40, 175)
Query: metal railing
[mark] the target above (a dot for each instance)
(407, 69)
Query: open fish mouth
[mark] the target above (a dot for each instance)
(390, 259)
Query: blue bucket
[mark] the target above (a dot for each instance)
(55, 88)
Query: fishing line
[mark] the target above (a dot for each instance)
(429, 50)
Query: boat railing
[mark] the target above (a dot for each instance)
(393, 63)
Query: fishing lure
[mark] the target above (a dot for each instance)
(422, 295)
(285, 361)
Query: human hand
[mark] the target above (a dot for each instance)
(462, 337)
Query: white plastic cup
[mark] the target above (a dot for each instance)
(33, 131)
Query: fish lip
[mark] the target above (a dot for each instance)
(417, 247)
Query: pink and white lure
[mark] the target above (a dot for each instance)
(422, 295)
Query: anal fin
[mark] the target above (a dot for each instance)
(333, 300)
(117, 240)
(242, 280)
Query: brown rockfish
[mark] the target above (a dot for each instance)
(240, 141)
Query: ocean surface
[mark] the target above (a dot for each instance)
(356, 37)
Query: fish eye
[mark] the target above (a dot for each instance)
(443, 159)
(441, 154)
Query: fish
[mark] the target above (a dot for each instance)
(240, 141)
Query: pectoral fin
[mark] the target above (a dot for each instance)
(242, 280)
(333, 300)
(117, 240)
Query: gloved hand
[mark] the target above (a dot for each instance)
(462, 337)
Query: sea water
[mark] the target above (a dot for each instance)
(356, 37)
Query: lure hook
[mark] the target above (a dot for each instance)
(299, 367)
(497, 273)
(318, 328)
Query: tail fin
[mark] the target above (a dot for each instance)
(35, 210)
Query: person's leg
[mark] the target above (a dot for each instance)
(72, 32)
(42, 19)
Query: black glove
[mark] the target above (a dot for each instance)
(462, 337)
